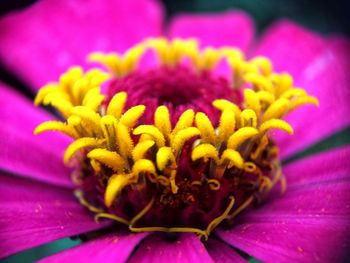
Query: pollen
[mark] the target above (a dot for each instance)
(173, 148)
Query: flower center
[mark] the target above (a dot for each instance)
(174, 147)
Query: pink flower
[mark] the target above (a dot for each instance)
(309, 223)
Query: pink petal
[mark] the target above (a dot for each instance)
(113, 248)
(42, 41)
(319, 66)
(155, 248)
(310, 223)
(221, 252)
(33, 213)
(233, 28)
(22, 153)
(290, 46)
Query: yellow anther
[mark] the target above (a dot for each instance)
(209, 58)
(115, 185)
(162, 120)
(111, 159)
(295, 92)
(259, 82)
(185, 121)
(93, 99)
(96, 77)
(143, 166)
(131, 59)
(110, 61)
(252, 101)
(152, 131)
(68, 78)
(81, 144)
(266, 97)
(124, 141)
(233, 157)
(282, 83)
(227, 124)
(164, 157)
(75, 121)
(206, 128)
(241, 136)
(182, 137)
(205, 151)
(55, 126)
(44, 91)
(117, 104)
(248, 118)
(91, 118)
(62, 105)
(161, 47)
(131, 116)
(225, 104)
(95, 165)
(264, 65)
(108, 125)
(302, 101)
(276, 110)
(275, 124)
(141, 149)
(233, 53)
(174, 187)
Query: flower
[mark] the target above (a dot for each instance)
(308, 223)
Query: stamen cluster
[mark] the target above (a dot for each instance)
(161, 176)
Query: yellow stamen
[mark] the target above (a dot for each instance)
(206, 128)
(241, 136)
(81, 144)
(141, 149)
(112, 159)
(205, 151)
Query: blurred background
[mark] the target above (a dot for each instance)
(324, 16)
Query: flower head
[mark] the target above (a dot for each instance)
(157, 159)
(196, 151)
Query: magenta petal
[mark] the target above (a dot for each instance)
(233, 28)
(188, 248)
(22, 153)
(33, 213)
(220, 252)
(330, 166)
(43, 40)
(289, 46)
(309, 223)
(113, 248)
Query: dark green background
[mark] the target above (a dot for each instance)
(322, 16)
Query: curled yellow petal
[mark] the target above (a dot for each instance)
(81, 144)
(205, 151)
(109, 158)
(182, 136)
(55, 126)
(131, 116)
(115, 185)
(241, 136)
(264, 65)
(252, 101)
(276, 110)
(162, 120)
(143, 166)
(302, 101)
(225, 104)
(248, 118)
(227, 124)
(152, 131)
(164, 157)
(233, 157)
(124, 141)
(275, 124)
(185, 121)
(206, 128)
(117, 104)
(141, 149)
